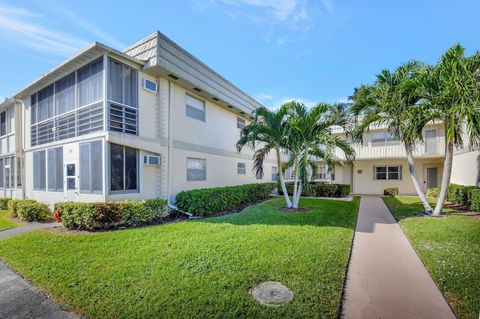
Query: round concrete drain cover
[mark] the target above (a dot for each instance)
(272, 293)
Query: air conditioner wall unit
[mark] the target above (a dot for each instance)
(152, 160)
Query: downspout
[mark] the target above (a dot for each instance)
(170, 151)
(22, 146)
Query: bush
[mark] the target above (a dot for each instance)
(91, 216)
(390, 191)
(463, 195)
(208, 201)
(13, 204)
(4, 203)
(30, 211)
(320, 189)
(475, 200)
(433, 192)
(452, 192)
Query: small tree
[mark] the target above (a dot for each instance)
(269, 131)
(392, 101)
(311, 139)
(451, 92)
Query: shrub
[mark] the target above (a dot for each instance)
(91, 216)
(12, 205)
(32, 211)
(327, 190)
(463, 195)
(343, 190)
(452, 192)
(390, 191)
(475, 200)
(4, 203)
(433, 192)
(208, 201)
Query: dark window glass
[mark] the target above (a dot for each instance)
(130, 168)
(116, 167)
(3, 123)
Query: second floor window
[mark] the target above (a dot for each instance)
(122, 83)
(195, 108)
(382, 138)
(240, 123)
(3, 123)
(241, 168)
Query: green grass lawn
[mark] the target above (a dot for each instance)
(450, 249)
(5, 221)
(202, 268)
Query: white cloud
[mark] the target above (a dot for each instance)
(31, 30)
(282, 20)
(273, 102)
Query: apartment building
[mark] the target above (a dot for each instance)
(109, 125)
(380, 162)
(152, 120)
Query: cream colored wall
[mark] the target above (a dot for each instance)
(466, 168)
(221, 171)
(365, 184)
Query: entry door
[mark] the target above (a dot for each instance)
(430, 141)
(432, 177)
(70, 181)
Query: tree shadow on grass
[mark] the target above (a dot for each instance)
(322, 213)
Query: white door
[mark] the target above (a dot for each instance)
(430, 141)
(70, 181)
(431, 174)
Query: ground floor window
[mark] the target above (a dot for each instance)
(274, 173)
(55, 169)
(7, 172)
(387, 172)
(91, 172)
(39, 171)
(123, 168)
(196, 169)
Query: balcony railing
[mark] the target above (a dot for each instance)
(395, 150)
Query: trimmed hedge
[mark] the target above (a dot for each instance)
(209, 201)
(390, 191)
(433, 192)
(32, 211)
(4, 203)
(475, 200)
(319, 189)
(93, 216)
(12, 205)
(452, 192)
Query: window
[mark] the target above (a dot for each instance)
(241, 168)
(122, 83)
(65, 94)
(51, 108)
(150, 85)
(240, 123)
(19, 172)
(195, 108)
(55, 169)
(71, 177)
(383, 138)
(123, 168)
(90, 83)
(39, 171)
(387, 172)
(196, 169)
(11, 121)
(274, 173)
(91, 173)
(7, 172)
(3, 123)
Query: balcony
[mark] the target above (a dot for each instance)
(434, 148)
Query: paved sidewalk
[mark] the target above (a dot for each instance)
(386, 278)
(25, 229)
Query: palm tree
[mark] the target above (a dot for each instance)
(391, 101)
(269, 131)
(451, 92)
(311, 139)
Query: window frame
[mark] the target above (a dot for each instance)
(144, 85)
(204, 118)
(241, 125)
(124, 175)
(241, 170)
(90, 160)
(38, 162)
(205, 169)
(387, 172)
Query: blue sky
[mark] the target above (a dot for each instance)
(275, 50)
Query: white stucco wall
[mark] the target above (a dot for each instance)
(466, 168)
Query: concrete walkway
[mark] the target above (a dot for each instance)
(18, 298)
(4, 234)
(386, 278)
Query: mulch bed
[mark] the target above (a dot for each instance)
(460, 210)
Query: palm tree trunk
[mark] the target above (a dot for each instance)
(296, 199)
(295, 185)
(413, 174)
(447, 172)
(282, 180)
